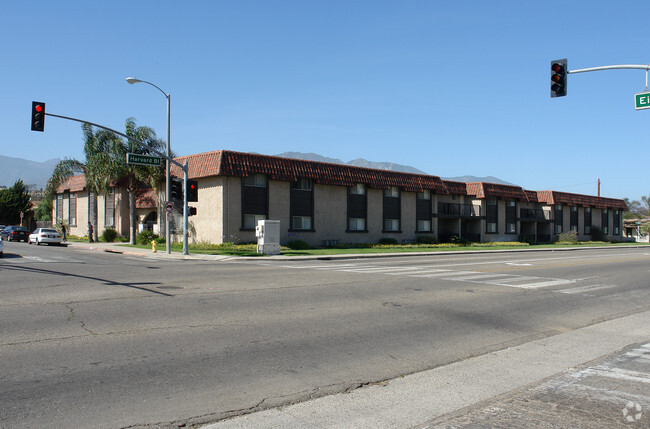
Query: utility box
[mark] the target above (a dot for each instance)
(268, 237)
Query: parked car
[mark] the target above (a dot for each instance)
(45, 235)
(15, 233)
(1, 247)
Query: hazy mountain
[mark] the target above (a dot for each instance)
(30, 172)
(360, 162)
(487, 179)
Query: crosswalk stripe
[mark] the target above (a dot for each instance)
(585, 289)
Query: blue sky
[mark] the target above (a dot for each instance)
(451, 88)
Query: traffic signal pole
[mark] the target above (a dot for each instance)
(183, 166)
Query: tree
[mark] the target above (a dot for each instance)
(13, 201)
(98, 168)
(133, 177)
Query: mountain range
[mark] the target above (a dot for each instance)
(360, 162)
(35, 174)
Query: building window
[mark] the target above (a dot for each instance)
(616, 228)
(559, 219)
(511, 217)
(392, 209)
(72, 209)
(605, 222)
(587, 218)
(574, 218)
(302, 205)
(254, 200)
(491, 216)
(424, 226)
(256, 180)
(59, 208)
(357, 208)
(250, 220)
(109, 208)
(423, 211)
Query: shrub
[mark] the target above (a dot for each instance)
(596, 234)
(146, 237)
(109, 235)
(298, 245)
(527, 238)
(388, 241)
(569, 237)
(460, 241)
(426, 239)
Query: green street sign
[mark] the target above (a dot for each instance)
(133, 158)
(642, 101)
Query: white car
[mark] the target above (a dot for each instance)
(45, 235)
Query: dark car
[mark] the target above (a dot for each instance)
(15, 233)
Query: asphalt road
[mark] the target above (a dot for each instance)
(98, 340)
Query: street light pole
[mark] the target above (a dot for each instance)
(133, 80)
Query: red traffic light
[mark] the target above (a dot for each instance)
(558, 78)
(38, 108)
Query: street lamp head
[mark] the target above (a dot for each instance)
(132, 80)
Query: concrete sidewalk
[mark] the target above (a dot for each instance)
(418, 398)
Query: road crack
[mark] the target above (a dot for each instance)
(72, 316)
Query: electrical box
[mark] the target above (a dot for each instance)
(268, 237)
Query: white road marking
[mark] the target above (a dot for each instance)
(585, 289)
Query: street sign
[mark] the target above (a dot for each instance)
(642, 101)
(169, 206)
(133, 158)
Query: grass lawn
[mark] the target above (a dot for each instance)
(250, 249)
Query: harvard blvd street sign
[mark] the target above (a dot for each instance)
(133, 158)
(642, 101)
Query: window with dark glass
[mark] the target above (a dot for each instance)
(491, 216)
(616, 224)
(511, 217)
(587, 218)
(357, 207)
(302, 205)
(392, 209)
(559, 219)
(605, 222)
(574, 219)
(423, 211)
(59, 207)
(254, 200)
(72, 209)
(109, 208)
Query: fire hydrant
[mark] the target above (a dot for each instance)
(154, 246)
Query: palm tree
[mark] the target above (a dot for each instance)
(99, 168)
(133, 177)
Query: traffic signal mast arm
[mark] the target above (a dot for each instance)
(616, 67)
(160, 154)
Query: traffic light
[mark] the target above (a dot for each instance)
(176, 189)
(558, 78)
(191, 211)
(38, 116)
(192, 191)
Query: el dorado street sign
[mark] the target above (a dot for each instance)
(642, 101)
(132, 158)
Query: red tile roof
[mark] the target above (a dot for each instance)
(229, 163)
(241, 164)
(73, 184)
(554, 197)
